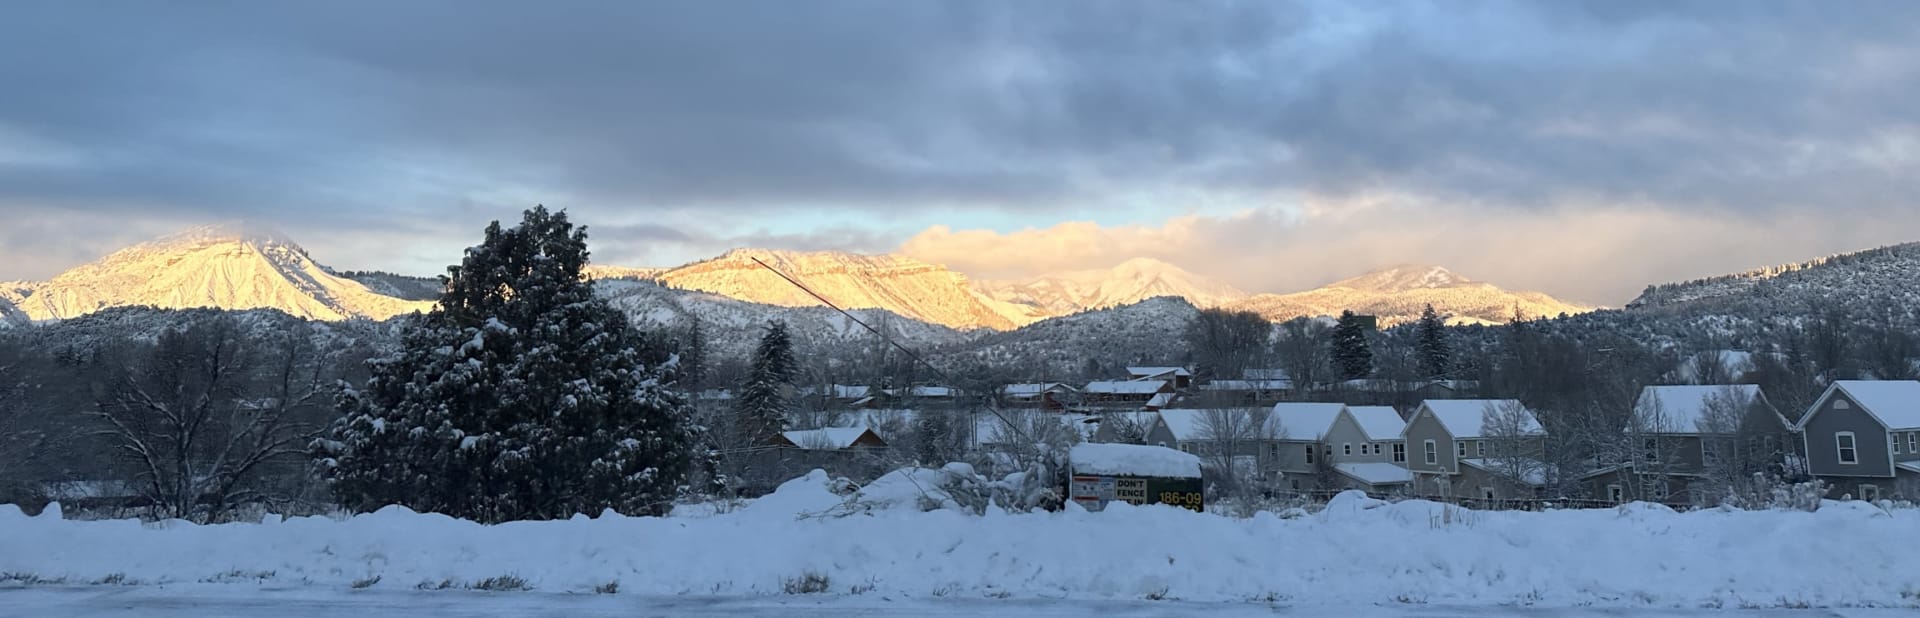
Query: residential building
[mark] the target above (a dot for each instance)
(1863, 438)
(1043, 395)
(1134, 392)
(1686, 444)
(1179, 377)
(1488, 449)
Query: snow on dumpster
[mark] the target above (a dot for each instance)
(1134, 474)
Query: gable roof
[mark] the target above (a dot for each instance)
(1154, 372)
(1247, 385)
(1895, 403)
(1125, 387)
(1379, 422)
(830, 438)
(1189, 424)
(1682, 409)
(1375, 472)
(1305, 421)
(1034, 389)
(1462, 418)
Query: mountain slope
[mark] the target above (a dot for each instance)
(1398, 295)
(225, 267)
(905, 286)
(1129, 282)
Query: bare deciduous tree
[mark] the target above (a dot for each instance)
(204, 412)
(1234, 445)
(1517, 446)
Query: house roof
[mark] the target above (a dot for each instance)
(1186, 424)
(1379, 422)
(1375, 472)
(1160, 401)
(1306, 421)
(1247, 385)
(830, 438)
(1682, 409)
(1150, 372)
(1895, 403)
(1910, 466)
(1532, 471)
(1463, 418)
(1033, 389)
(932, 391)
(1125, 387)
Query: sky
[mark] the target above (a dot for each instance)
(1584, 149)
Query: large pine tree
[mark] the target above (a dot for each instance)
(1435, 357)
(760, 412)
(1352, 357)
(521, 396)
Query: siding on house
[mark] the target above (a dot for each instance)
(1834, 413)
(1422, 427)
(1345, 431)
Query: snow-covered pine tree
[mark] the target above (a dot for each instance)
(1435, 355)
(1351, 355)
(760, 411)
(521, 396)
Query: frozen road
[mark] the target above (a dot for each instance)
(226, 601)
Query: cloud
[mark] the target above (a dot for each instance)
(342, 120)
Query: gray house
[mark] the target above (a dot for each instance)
(1687, 443)
(1366, 449)
(1863, 438)
(1487, 449)
(1248, 436)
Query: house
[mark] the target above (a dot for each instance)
(1381, 463)
(1180, 377)
(927, 393)
(1126, 426)
(1137, 392)
(1247, 435)
(830, 439)
(1044, 395)
(1488, 449)
(1254, 386)
(1685, 442)
(1303, 457)
(1863, 438)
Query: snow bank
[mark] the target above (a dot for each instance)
(1356, 553)
(1133, 460)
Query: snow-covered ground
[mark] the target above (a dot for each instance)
(1358, 554)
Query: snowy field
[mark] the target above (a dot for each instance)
(800, 548)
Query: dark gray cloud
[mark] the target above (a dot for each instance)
(435, 116)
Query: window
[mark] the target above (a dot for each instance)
(1480, 448)
(1310, 450)
(1661, 490)
(1844, 447)
(1841, 404)
(1433, 453)
(1652, 448)
(1487, 492)
(1869, 493)
(1186, 448)
(1616, 493)
(1400, 452)
(1346, 448)
(1893, 441)
(1710, 452)
(1459, 448)
(1913, 442)
(1376, 448)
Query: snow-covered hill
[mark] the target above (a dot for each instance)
(1129, 282)
(1398, 294)
(733, 327)
(224, 266)
(905, 286)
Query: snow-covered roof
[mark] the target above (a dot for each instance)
(1247, 385)
(1154, 372)
(1375, 472)
(932, 391)
(1379, 422)
(1305, 421)
(1463, 417)
(1896, 403)
(1159, 401)
(1034, 389)
(1910, 466)
(1133, 460)
(1531, 471)
(1188, 424)
(830, 438)
(1682, 409)
(1125, 387)
(838, 391)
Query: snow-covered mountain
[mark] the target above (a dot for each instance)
(1129, 282)
(904, 286)
(224, 266)
(1399, 293)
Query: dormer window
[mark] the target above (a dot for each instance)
(1841, 404)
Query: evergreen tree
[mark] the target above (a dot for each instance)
(1435, 357)
(521, 396)
(761, 408)
(1351, 355)
(693, 358)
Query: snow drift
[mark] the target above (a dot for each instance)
(1357, 551)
